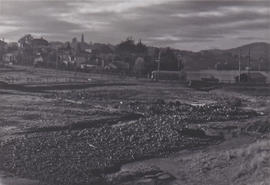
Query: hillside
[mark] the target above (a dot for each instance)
(257, 50)
(228, 59)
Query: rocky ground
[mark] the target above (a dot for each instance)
(134, 133)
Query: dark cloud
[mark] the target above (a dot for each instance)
(184, 24)
(251, 38)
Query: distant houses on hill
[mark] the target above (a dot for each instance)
(132, 57)
(80, 55)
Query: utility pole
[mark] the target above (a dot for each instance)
(56, 61)
(239, 66)
(260, 61)
(248, 59)
(159, 55)
(158, 62)
(179, 61)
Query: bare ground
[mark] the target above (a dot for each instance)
(201, 137)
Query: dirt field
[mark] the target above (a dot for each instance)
(62, 127)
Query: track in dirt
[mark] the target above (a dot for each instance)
(126, 117)
(62, 86)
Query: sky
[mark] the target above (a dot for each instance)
(183, 24)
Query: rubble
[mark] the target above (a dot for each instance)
(75, 157)
(221, 111)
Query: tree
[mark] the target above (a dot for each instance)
(127, 46)
(139, 66)
(140, 47)
(150, 64)
(12, 47)
(25, 40)
(168, 60)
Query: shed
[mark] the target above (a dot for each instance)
(252, 77)
(168, 75)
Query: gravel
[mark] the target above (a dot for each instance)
(78, 157)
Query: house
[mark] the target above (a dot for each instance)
(12, 46)
(38, 60)
(9, 58)
(80, 60)
(25, 41)
(88, 50)
(252, 77)
(168, 75)
(56, 45)
(2, 44)
(65, 60)
(2, 48)
(39, 45)
(41, 42)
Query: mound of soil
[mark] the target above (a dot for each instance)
(77, 157)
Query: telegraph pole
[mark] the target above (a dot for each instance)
(248, 60)
(239, 65)
(159, 54)
(158, 62)
(180, 62)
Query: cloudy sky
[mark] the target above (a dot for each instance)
(184, 24)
